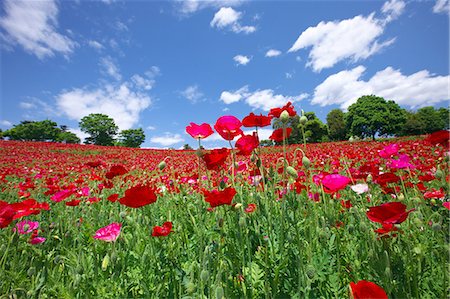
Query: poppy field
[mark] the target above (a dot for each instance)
(365, 219)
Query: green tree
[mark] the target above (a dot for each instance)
(315, 129)
(413, 125)
(431, 119)
(68, 137)
(100, 127)
(1, 134)
(187, 147)
(372, 115)
(336, 125)
(444, 115)
(266, 142)
(45, 130)
(132, 137)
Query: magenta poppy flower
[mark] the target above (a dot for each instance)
(26, 226)
(247, 143)
(401, 163)
(388, 213)
(37, 240)
(108, 233)
(199, 131)
(334, 182)
(389, 151)
(162, 231)
(228, 127)
(446, 205)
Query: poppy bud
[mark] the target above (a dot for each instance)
(162, 165)
(190, 287)
(310, 272)
(284, 116)
(303, 120)
(220, 222)
(237, 206)
(292, 172)
(436, 227)
(258, 163)
(219, 292)
(351, 139)
(369, 178)
(105, 262)
(439, 174)
(253, 157)
(122, 214)
(306, 162)
(401, 197)
(31, 271)
(204, 275)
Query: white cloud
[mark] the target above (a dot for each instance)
(153, 72)
(331, 42)
(192, 93)
(265, 99)
(289, 75)
(167, 139)
(142, 82)
(38, 106)
(263, 133)
(151, 128)
(227, 17)
(416, 90)
(110, 68)
(33, 25)
(95, 44)
(393, 9)
(273, 53)
(122, 102)
(79, 133)
(187, 7)
(242, 59)
(5, 123)
(442, 6)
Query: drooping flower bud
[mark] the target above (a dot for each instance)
(105, 262)
(292, 172)
(306, 162)
(237, 206)
(303, 120)
(162, 165)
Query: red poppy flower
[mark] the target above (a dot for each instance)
(250, 208)
(138, 196)
(364, 289)
(253, 120)
(28, 207)
(389, 213)
(434, 194)
(386, 229)
(247, 143)
(217, 198)
(116, 170)
(162, 231)
(277, 135)
(334, 182)
(73, 203)
(276, 112)
(228, 127)
(6, 214)
(386, 178)
(94, 164)
(439, 137)
(113, 197)
(215, 158)
(199, 131)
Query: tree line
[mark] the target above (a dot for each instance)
(100, 127)
(369, 117)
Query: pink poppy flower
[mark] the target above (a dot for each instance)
(26, 226)
(228, 127)
(334, 182)
(401, 163)
(199, 131)
(108, 233)
(389, 151)
(37, 240)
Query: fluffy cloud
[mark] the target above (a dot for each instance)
(167, 139)
(393, 9)
(331, 42)
(143, 82)
(227, 17)
(33, 25)
(273, 53)
(95, 45)
(108, 67)
(187, 7)
(241, 59)
(261, 99)
(192, 93)
(416, 90)
(442, 6)
(122, 102)
(5, 123)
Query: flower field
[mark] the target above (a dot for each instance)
(327, 220)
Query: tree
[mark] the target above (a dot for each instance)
(430, 119)
(336, 125)
(45, 130)
(315, 130)
(266, 142)
(132, 137)
(68, 137)
(101, 128)
(444, 114)
(372, 115)
(413, 125)
(187, 147)
(1, 134)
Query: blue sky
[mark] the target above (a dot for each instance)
(162, 64)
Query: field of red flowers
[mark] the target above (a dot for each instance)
(328, 220)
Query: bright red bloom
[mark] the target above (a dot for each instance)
(138, 196)
(162, 231)
(216, 158)
(253, 120)
(113, 197)
(386, 178)
(386, 229)
(364, 289)
(6, 214)
(446, 205)
(29, 207)
(115, 170)
(334, 182)
(276, 112)
(94, 164)
(228, 127)
(250, 208)
(217, 198)
(439, 137)
(434, 194)
(108, 233)
(277, 135)
(247, 143)
(73, 203)
(199, 131)
(389, 213)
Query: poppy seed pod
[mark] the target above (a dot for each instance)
(204, 275)
(292, 172)
(219, 292)
(284, 116)
(439, 174)
(105, 262)
(162, 165)
(303, 120)
(369, 178)
(306, 162)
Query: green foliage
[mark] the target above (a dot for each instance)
(337, 130)
(315, 130)
(187, 147)
(444, 115)
(67, 137)
(266, 142)
(131, 138)
(426, 120)
(1, 134)
(372, 115)
(100, 127)
(45, 130)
